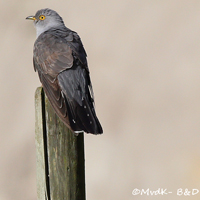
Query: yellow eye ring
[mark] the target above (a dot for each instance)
(41, 17)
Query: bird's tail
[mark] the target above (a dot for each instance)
(86, 119)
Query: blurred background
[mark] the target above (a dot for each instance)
(145, 69)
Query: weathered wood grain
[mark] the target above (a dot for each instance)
(63, 154)
(39, 143)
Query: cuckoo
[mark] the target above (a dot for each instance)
(60, 60)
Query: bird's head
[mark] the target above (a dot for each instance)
(46, 19)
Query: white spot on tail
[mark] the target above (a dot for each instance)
(78, 131)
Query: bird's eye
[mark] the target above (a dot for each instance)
(41, 17)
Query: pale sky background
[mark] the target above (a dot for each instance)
(145, 68)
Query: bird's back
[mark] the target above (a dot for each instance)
(60, 59)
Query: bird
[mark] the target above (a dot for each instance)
(61, 62)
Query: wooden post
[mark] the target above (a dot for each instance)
(60, 155)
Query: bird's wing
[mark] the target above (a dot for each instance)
(51, 56)
(74, 41)
(76, 85)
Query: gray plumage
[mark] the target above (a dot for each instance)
(60, 59)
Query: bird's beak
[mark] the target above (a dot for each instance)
(31, 17)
